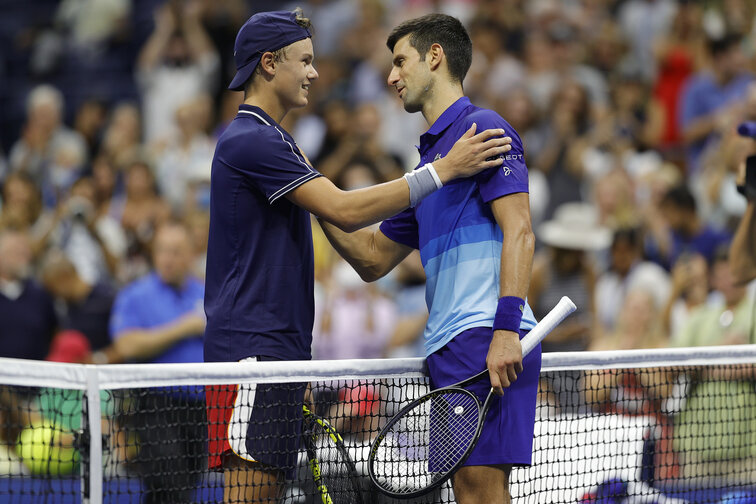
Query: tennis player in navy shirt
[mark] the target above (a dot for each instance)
(476, 245)
(259, 282)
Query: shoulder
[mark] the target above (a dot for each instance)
(486, 119)
(138, 290)
(246, 139)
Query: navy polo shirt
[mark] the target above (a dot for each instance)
(456, 232)
(260, 266)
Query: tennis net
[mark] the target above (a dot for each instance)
(664, 426)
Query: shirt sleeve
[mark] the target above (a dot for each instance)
(272, 162)
(512, 175)
(402, 228)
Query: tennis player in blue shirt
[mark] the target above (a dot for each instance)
(476, 245)
(259, 282)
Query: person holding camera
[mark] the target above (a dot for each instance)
(743, 246)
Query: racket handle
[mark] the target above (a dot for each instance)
(564, 307)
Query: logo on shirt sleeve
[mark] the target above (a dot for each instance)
(507, 171)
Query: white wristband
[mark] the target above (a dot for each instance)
(422, 182)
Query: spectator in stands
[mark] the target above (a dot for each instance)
(122, 136)
(159, 318)
(27, 317)
(22, 207)
(361, 145)
(636, 391)
(140, 210)
(85, 306)
(713, 431)
(177, 63)
(94, 243)
(565, 269)
(682, 230)
(711, 100)
(354, 320)
(689, 289)
(412, 311)
(44, 135)
(89, 122)
(187, 154)
(627, 272)
(743, 246)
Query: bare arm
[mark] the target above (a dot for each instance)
(143, 344)
(352, 210)
(371, 253)
(196, 36)
(512, 213)
(154, 48)
(743, 247)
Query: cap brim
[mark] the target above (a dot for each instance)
(243, 74)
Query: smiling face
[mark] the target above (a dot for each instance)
(410, 75)
(294, 74)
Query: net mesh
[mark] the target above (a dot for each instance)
(609, 430)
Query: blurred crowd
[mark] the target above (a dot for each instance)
(627, 109)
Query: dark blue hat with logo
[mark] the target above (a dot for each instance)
(263, 32)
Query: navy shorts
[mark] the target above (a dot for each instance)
(257, 422)
(507, 435)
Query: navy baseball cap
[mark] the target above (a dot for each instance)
(263, 32)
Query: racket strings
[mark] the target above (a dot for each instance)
(334, 465)
(428, 441)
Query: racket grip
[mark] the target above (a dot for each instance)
(564, 307)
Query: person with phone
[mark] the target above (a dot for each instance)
(476, 244)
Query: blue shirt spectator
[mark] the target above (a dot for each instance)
(158, 318)
(711, 99)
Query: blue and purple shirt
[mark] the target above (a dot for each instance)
(260, 266)
(455, 230)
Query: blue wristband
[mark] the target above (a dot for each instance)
(509, 314)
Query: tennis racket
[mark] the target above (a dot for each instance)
(333, 471)
(424, 444)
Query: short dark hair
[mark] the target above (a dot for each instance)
(680, 197)
(438, 29)
(722, 44)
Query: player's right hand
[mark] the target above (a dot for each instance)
(473, 153)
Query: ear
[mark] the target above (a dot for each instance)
(268, 63)
(435, 56)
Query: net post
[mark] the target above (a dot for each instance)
(91, 472)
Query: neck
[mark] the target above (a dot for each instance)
(263, 97)
(444, 94)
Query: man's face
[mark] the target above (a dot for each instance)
(172, 254)
(295, 72)
(15, 256)
(410, 76)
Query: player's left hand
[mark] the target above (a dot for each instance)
(504, 359)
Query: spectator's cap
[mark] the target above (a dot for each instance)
(69, 346)
(263, 32)
(360, 399)
(575, 227)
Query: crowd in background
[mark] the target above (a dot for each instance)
(627, 110)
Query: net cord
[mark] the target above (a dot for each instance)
(122, 376)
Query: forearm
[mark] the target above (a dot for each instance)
(743, 247)
(353, 210)
(370, 253)
(153, 50)
(143, 344)
(517, 263)
(197, 39)
(699, 129)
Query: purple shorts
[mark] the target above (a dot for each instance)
(507, 436)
